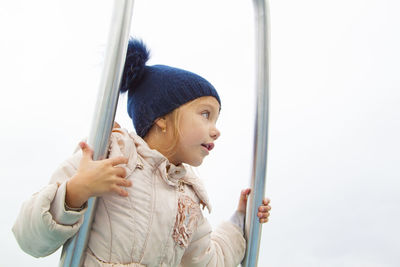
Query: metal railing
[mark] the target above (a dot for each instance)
(252, 226)
(103, 120)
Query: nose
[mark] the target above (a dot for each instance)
(215, 133)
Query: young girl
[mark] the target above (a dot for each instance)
(149, 205)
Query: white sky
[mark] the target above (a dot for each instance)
(333, 162)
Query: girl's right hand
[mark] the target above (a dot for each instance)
(95, 178)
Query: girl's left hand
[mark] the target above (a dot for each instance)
(263, 209)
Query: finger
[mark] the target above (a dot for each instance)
(118, 160)
(266, 201)
(244, 194)
(116, 125)
(264, 208)
(243, 200)
(120, 172)
(87, 152)
(243, 197)
(123, 182)
(263, 215)
(120, 191)
(264, 220)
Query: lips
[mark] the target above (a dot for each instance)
(209, 146)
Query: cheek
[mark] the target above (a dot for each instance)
(191, 136)
(192, 132)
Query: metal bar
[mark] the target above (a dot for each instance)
(252, 226)
(103, 120)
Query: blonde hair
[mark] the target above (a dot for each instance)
(175, 117)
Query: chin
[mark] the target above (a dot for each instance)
(195, 163)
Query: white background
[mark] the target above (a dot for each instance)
(333, 162)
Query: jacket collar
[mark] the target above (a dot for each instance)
(121, 145)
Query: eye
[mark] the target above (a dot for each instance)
(205, 114)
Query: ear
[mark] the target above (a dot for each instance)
(161, 123)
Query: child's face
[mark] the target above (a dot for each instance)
(197, 128)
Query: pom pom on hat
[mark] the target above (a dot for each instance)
(154, 91)
(136, 57)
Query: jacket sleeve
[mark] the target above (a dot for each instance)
(224, 247)
(43, 223)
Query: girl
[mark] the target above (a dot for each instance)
(149, 208)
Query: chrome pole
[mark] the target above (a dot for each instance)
(73, 253)
(252, 226)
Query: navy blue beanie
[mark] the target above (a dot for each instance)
(154, 91)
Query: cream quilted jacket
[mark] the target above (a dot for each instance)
(160, 223)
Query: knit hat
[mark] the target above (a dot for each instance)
(154, 91)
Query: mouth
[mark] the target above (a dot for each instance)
(209, 146)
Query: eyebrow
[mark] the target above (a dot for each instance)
(211, 106)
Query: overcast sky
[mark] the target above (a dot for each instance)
(333, 160)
